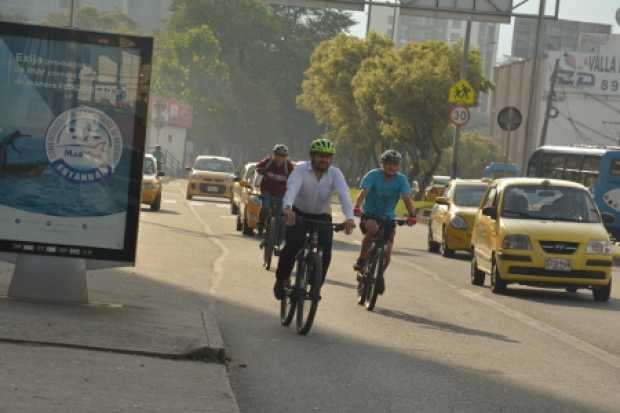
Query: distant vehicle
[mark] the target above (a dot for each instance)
(436, 187)
(452, 217)
(211, 176)
(542, 233)
(501, 170)
(596, 168)
(241, 188)
(246, 201)
(151, 183)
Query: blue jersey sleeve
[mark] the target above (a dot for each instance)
(367, 181)
(405, 187)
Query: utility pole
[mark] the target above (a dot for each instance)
(550, 98)
(531, 109)
(73, 15)
(369, 16)
(463, 75)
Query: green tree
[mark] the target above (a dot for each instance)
(189, 67)
(405, 92)
(265, 51)
(91, 18)
(475, 153)
(327, 92)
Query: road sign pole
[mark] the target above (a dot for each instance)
(463, 75)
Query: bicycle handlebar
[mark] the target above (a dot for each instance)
(335, 227)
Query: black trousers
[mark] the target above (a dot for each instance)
(295, 236)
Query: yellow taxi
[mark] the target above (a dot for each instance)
(211, 176)
(247, 201)
(243, 187)
(453, 215)
(151, 183)
(542, 233)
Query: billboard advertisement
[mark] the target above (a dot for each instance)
(72, 131)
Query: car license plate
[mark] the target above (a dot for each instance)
(212, 189)
(557, 264)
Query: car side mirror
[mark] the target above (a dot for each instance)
(161, 173)
(490, 212)
(608, 218)
(442, 201)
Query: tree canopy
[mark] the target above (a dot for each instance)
(377, 96)
(241, 63)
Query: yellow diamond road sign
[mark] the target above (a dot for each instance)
(462, 94)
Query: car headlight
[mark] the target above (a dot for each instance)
(517, 242)
(599, 247)
(457, 222)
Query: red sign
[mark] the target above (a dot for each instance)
(170, 112)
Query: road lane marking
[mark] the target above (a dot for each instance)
(225, 206)
(169, 201)
(218, 264)
(576, 343)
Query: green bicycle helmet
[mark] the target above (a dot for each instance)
(322, 145)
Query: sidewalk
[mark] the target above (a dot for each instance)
(147, 341)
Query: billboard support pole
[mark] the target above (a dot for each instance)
(51, 279)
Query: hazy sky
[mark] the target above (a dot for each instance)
(594, 11)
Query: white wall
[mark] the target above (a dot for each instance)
(171, 139)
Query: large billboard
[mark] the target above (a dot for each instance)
(72, 132)
(498, 11)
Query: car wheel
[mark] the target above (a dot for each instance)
(445, 251)
(477, 276)
(432, 245)
(601, 294)
(156, 205)
(498, 286)
(245, 227)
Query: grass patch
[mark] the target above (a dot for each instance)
(400, 207)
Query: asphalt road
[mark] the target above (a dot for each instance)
(433, 344)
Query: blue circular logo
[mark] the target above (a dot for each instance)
(84, 145)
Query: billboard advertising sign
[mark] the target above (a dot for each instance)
(72, 131)
(592, 73)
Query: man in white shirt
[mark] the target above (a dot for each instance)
(309, 190)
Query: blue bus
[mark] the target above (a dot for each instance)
(596, 168)
(501, 170)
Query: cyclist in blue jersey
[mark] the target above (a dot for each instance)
(381, 189)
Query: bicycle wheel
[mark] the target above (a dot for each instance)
(270, 240)
(288, 304)
(309, 293)
(361, 288)
(374, 274)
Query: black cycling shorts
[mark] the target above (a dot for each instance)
(389, 227)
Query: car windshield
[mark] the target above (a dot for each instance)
(214, 165)
(549, 203)
(149, 167)
(469, 195)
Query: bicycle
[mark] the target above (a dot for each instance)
(273, 234)
(308, 280)
(372, 274)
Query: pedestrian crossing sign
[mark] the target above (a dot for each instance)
(462, 93)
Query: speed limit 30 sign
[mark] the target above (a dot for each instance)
(459, 116)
